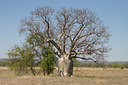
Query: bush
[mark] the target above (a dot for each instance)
(30, 55)
(126, 65)
(3, 63)
(76, 62)
(21, 60)
(48, 61)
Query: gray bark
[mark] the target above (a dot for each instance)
(65, 66)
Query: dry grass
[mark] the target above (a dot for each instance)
(82, 76)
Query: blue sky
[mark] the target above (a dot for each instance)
(114, 13)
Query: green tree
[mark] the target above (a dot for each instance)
(46, 57)
(48, 61)
(31, 54)
(21, 60)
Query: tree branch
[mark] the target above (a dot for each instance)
(89, 59)
(57, 47)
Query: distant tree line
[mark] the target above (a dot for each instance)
(3, 63)
(77, 63)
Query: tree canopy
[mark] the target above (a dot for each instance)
(78, 32)
(68, 33)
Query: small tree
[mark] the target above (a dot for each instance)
(48, 61)
(23, 59)
(43, 53)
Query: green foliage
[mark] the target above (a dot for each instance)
(108, 65)
(21, 60)
(34, 40)
(126, 65)
(76, 62)
(113, 65)
(48, 61)
(3, 63)
(31, 54)
(122, 67)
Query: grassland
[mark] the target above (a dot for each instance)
(82, 76)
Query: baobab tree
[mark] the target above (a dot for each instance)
(74, 33)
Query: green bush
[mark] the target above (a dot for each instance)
(21, 60)
(48, 61)
(3, 63)
(126, 65)
(33, 53)
(76, 62)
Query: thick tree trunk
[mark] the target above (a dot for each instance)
(65, 66)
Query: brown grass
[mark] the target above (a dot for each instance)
(82, 76)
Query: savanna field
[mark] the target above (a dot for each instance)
(82, 76)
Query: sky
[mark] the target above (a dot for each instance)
(114, 14)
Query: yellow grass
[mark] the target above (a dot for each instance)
(82, 76)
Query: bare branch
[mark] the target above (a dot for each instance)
(88, 59)
(68, 30)
(57, 47)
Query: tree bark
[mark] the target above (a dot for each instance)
(65, 66)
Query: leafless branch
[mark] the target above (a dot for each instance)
(89, 59)
(69, 29)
